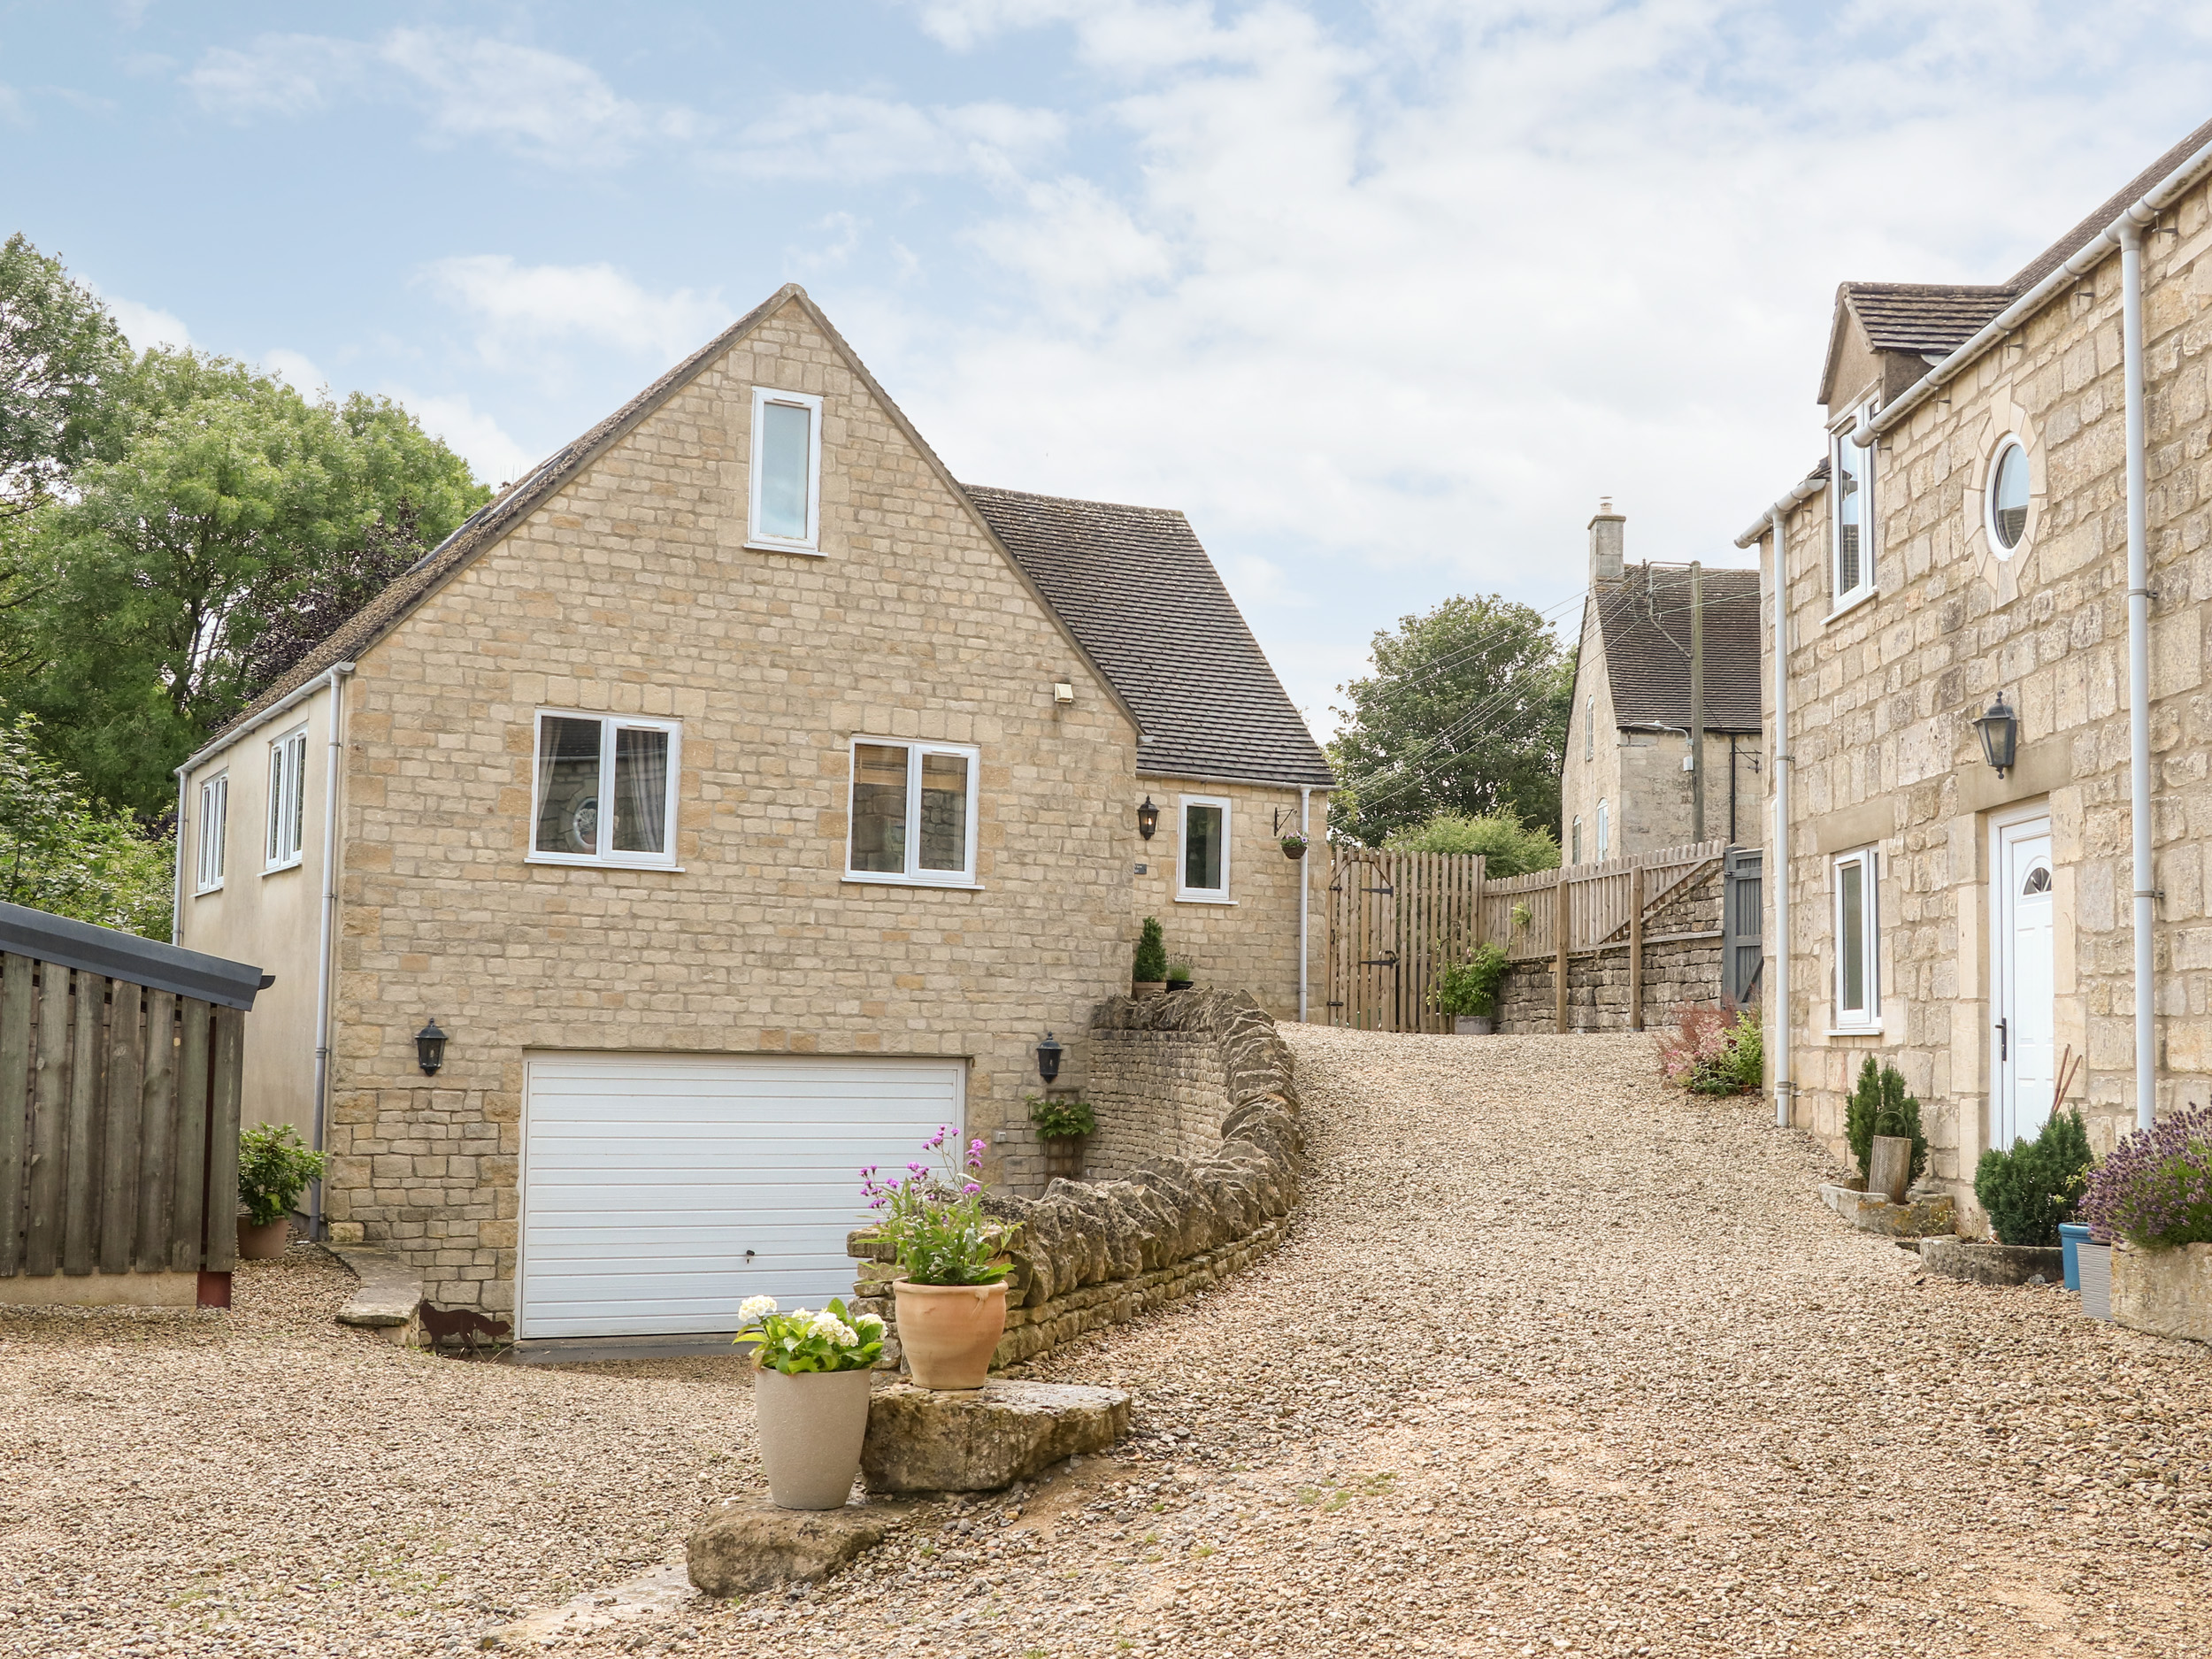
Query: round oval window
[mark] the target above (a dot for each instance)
(2009, 496)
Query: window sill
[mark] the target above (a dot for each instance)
(851, 879)
(559, 862)
(785, 547)
(201, 893)
(1855, 1031)
(1203, 898)
(1849, 602)
(277, 870)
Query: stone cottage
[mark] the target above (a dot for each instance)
(1997, 769)
(1626, 782)
(731, 801)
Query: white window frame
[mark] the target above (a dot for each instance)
(756, 538)
(610, 723)
(2010, 442)
(1574, 855)
(1867, 1018)
(214, 831)
(914, 876)
(1605, 830)
(1202, 895)
(1839, 443)
(286, 845)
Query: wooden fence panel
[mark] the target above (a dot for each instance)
(118, 1159)
(157, 1127)
(189, 1171)
(87, 1008)
(49, 1100)
(17, 1003)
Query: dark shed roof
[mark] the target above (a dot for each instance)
(119, 955)
(1135, 587)
(1923, 317)
(1645, 624)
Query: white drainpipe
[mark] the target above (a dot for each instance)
(176, 906)
(327, 926)
(1305, 888)
(2138, 668)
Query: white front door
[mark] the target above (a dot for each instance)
(2026, 1069)
(660, 1191)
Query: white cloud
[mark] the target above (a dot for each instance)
(146, 327)
(518, 306)
(472, 434)
(296, 369)
(851, 138)
(278, 75)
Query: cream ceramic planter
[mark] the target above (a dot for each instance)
(264, 1243)
(948, 1332)
(2167, 1293)
(811, 1427)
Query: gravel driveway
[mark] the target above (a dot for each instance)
(1554, 1360)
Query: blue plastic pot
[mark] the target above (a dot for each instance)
(2070, 1238)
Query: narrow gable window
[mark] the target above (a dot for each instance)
(287, 799)
(214, 827)
(1575, 856)
(913, 813)
(786, 472)
(1858, 943)
(605, 791)
(1203, 875)
(1851, 473)
(1605, 830)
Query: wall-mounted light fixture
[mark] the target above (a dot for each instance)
(430, 1049)
(1999, 729)
(1049, 1053)
(1147, 819)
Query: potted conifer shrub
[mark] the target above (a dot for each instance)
(2152, 1197)
(274, 1168)
(1149, 973)
(951, 1297)
(1881, 1123)
(811, 1378)
(1468, 991)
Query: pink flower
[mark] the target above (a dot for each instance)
(971, 1187)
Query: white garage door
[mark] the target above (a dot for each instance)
(659, 1192)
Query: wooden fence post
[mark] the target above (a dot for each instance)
(1562, 929)
(1636, 948)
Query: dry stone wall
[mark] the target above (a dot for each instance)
(1091, 1254)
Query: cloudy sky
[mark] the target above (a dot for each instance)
(1384, 296)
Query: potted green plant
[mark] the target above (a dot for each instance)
(1293, 846)
(1881, 1125)
(1149, 973)
(1468, 991)
(274, 1168)
(810, 1397)
(951, 1298)
(1062, 1126)
(1178, 975)
(2152, 1197)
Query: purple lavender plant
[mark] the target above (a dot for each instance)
(2155, 1190)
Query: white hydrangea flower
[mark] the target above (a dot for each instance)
(756, 1308)
(828, 1325)
(869, 1322)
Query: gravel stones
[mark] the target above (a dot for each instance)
(747, 1544)
(920, 1440)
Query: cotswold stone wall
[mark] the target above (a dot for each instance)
(1682, 964)
(1091, 1254)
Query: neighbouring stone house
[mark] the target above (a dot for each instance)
(1979, 928)
(1626, 785)
(741, 797)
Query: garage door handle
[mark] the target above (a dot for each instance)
(748, 1256)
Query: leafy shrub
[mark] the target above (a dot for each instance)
(798, 1342)
(1880, 1106)
(1179, 972)
(1151, 962)
(1062, 1119)
(275, 1167)
(2155, 1190)
(2029, 1190)
(1509, 847)
(1471, 987)
(68, 857)
(1707, 1054)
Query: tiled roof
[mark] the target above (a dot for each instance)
(1134, 585)
(1645, 624)
(1924, 317)
(2106, 212)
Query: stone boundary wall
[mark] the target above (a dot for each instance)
(1676, 973)
(1158, 1093)
(1093, 1253)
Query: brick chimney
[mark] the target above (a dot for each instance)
(1606, 545)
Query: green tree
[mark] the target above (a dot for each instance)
(1509, 847)
(1465, 714)
(229, 502)
(60, 854)
(61, 357)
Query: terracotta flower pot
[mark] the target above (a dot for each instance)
(1147, 988)
(261, 1244)
(811, 1427)
(949, 1331)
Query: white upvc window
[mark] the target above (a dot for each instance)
(213, 828)
(1605, 830)
(1575, 856)
(1201, 864)
(287, 800)
(1851, 516)
(786, 513)
(1858, 941)
(912, 818)
(605, 790)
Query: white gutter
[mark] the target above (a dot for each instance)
(290, 700)
(1305, 888)
(327, 925)
(2138, 663)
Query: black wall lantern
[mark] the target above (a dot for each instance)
(1049, 1053)
(430, 1049)
(1147, 819)
(2000, 734)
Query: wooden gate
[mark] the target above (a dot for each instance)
(1395, 921)
(118, 1101)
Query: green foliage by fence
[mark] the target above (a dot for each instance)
(1509, 847)
(1471, 987)
(61, 854)
(274, 1168)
